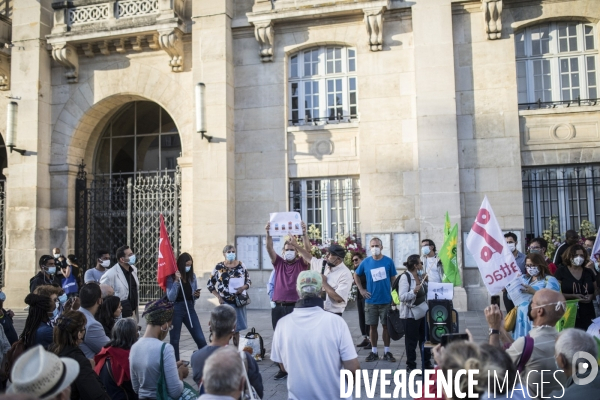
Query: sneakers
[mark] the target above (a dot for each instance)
(389, 357)
(280, 375)
(365, 343)
(372, 357)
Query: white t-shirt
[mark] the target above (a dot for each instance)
(340, 279)
(311, 344)
(431, 269)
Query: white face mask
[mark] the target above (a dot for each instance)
(375, 251)
(578, 261)
(105, 263)
(511, 247)
(290, 255)
(533, 271)
(425, 250)
(56, 255)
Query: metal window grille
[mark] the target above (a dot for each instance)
(569, 193)
(332, 205)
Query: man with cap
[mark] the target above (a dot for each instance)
(321, 346)
(337, 278)
(43, 375)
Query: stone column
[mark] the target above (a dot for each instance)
(438, 167)
(213, 221)
(28, 186)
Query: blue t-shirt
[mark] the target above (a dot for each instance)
(379, 275)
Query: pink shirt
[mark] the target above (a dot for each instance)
(286, 276)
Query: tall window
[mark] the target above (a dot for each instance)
(141, 137)
(322, 85)
(569, 193)
(557, 62)
(331, 204)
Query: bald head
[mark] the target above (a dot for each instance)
(107, 290)
(548, 313)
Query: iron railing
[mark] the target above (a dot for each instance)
(569, 193)
(2, 230)
(538, 105)
(123, 209)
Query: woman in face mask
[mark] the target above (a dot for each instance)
(144, 360)
(577, 282)
(109, 311)
(38, 329)
(182, 290)
(230, 279)
(537, 277)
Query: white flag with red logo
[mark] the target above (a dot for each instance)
(166, 260)
(494, 259)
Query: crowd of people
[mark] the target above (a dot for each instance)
(81, 338)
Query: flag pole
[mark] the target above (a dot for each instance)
(185, 301)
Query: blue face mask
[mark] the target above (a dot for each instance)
(62, 298)
(131, 259)
(230, 256)
(187, 268)
(51, 270)
(2, 296)
(55, 313)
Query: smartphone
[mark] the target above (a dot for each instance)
(451, 337)
(186, 363)
(496, 300)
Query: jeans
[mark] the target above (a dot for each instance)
(180, 316)
(360, 305)
(279, 312)
(415, 335)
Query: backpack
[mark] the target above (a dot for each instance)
(10, 358)
(254, 341)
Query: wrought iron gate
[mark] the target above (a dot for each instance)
(122, 209)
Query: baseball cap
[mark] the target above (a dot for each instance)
(309, 282)
(337, 250)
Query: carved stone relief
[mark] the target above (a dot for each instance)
(492, 18)
(374, 24)
(265, 34)
(66, 55)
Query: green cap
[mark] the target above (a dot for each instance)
(309, 282)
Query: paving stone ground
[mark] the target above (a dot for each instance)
(261, 320)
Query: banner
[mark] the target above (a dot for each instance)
(447, 226)
(285, 223)
(568, 320)
(486, 243)
(596, 249)
(448, 257)
(166, 260)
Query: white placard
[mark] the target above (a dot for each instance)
(440, 291)
(386, 240)
(285, 223)
(517, 296)
(248, 251)
(278, 243)
(235, 283)
(468, 257)
(405, 244)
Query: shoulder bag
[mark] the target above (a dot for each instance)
(242, 300)
(419, 308)
(162, 392)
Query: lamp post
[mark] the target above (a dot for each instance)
(201, 111)
(11, 127)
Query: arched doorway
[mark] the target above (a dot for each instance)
(135, 179)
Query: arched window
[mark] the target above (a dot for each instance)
(141, 137)
(557, 62)
(322, 85)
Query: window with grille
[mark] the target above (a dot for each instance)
(331, 204)
(569, 193)
(323, 86)
(557, 62)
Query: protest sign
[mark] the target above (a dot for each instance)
(494, 259)
(285, 223)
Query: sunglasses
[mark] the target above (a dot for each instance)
(355, 260)
(231, 252)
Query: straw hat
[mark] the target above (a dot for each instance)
(42, 374)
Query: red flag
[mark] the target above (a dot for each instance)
(166, 260)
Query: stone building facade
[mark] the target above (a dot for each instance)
(370, 117)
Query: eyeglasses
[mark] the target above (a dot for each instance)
(559, 305)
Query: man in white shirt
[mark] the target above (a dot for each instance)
(321, 347)
(337, 278)
(431, 263)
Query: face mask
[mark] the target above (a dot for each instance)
(420, 272)
(55, 313)
(187, 268)
(330, 264)
(535, 251)
(375, 251)
(533, 271)
(119, 317)
(578, 261)
(131, 259)
(105, 263)
(2, 296)
(56, 255)
(425, 250)
(230, 256)
(511, 247)
(51, 270)
(290, 255)
(597, 266)
(62, 298)
(589, 250)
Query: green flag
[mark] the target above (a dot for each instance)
(447, 226)
(568, 320)
(448, 258)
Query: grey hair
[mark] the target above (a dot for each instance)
(223, 371)
(228, 247)
(376, 238)
(124, 334)
(572, 340)
(106, 290)
(222, 320)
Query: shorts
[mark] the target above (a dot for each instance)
(376, 311)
